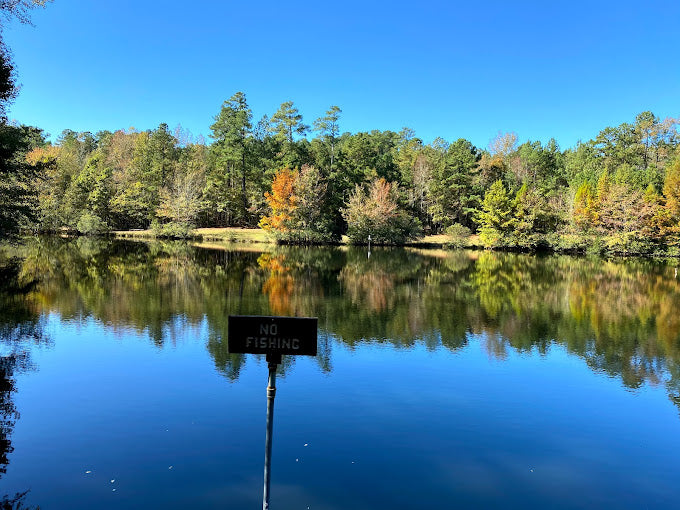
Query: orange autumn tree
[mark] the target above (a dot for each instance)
(282, 202)
(297, 202)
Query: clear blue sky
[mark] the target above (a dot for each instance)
(552, 68)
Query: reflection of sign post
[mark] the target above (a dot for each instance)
(273, 336)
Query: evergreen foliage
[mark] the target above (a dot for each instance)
(617, 193)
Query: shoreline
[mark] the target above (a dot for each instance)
(257, 236)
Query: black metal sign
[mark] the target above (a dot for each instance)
(261, 334)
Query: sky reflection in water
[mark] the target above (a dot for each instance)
(467, 379)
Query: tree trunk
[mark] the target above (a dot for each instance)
(243, 184)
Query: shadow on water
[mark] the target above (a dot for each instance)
(619, 316)
(20, 328)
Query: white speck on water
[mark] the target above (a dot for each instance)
(113, 490)
(88, 472)
(297, 460)
(170, 467)
(307, 444)
(113, 481)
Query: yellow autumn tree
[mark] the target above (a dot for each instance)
(584, 213)
(43, 155)
(671, 192)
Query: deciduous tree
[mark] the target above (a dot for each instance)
(282, 202)
(378, 214)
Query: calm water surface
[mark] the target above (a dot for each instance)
(444, 379)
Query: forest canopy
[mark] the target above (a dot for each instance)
(618, 192)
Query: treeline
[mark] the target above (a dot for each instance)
(619, 192)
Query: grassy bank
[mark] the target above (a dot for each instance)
(225, 235)
(259, 236)
(234, 235)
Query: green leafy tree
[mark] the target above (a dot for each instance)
(61, 201)
(534, 218)
(264, 149)
(139, 182)
(329, 130)
(582, 164)
(285, 125)
(18, 192)
(136, 195)
(118, 151)
(496, 219)
(162, 153)
(8, 91)
(367, 156)
(451, 188)
(94, 189)
(537, 165)
(232, 131)
(416, 163)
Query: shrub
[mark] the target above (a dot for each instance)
(91, 225)
(378, 213)
(458, 235)
(172, 230)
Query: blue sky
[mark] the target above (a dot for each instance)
(564, 69)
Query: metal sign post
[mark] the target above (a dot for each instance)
(273, 336)
(273, 362)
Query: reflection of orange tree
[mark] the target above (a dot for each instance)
(292, 286)
(280, 286)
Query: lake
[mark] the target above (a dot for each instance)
(453, 379)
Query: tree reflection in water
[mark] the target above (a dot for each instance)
(619, 316)
(20, 327)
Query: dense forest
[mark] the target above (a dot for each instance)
(616, 193)
(619, 192)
